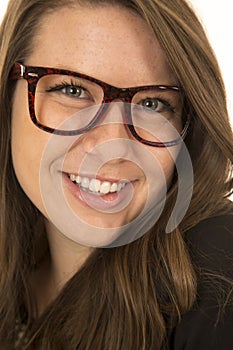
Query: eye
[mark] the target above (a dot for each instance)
(75, 91)
(72, 91)
(155, 105)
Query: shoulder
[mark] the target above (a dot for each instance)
(209, 324)
(213, 228)
(210, 244)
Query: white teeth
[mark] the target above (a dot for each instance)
(72, 177)
(96, 186)
(113, 188)
(85, 182)
(78, 179)
(105, 187)
(119, 187)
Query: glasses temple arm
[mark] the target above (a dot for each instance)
(18, 71)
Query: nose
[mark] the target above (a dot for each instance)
(111, 126)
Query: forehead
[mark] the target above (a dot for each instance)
(110, 43)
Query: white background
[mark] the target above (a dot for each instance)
(217, 17)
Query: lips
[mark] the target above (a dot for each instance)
(108, 201)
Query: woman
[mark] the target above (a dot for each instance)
(68, 278)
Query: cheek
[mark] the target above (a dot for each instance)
(168, 169)
(166, 157)
(27, 147)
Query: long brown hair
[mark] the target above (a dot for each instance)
(124, 297)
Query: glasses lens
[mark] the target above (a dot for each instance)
(60, 101)
(157, 115)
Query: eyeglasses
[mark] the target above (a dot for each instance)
(68, 103)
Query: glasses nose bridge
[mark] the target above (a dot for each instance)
(114, 93)
(125, 95)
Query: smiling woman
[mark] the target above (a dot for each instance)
(116, 148)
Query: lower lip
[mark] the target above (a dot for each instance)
(103, 202)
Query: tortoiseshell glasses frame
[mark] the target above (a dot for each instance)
(33, 74)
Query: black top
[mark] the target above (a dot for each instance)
(209, 326)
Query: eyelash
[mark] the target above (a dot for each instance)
(64, 84)
(168, 104)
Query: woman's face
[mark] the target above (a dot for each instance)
(115, 46)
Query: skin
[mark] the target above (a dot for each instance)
(99, 42)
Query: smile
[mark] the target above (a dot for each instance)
(95, 186)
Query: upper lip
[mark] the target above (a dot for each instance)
(102, 178)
